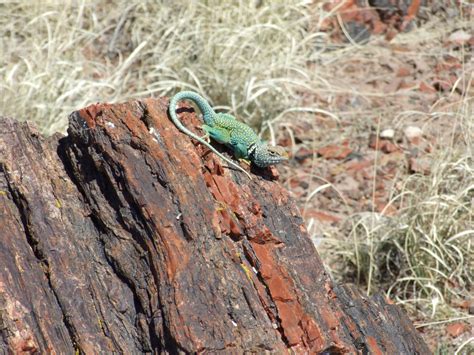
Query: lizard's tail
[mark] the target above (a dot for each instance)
(206, 109)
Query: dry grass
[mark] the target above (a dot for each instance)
(270, 66)
(424, 256)
(249, 60)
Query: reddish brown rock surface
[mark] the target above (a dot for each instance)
(126, 237)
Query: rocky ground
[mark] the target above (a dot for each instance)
(397, 95)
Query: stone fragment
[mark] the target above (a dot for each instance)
(412, 132)
(387, 133)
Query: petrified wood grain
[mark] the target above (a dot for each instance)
(126, 237)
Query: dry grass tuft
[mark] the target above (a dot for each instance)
(423, 257)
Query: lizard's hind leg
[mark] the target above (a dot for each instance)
(220, 135)
(206, 137)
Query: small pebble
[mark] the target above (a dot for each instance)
(387, 133)
(459, 37)
(412, 132)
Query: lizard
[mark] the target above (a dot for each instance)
(226, 129)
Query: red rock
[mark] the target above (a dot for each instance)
(403, 71)
(294, 183)
(419, 165)
(358, 165)
(412, 10)
(390, 34)
(452, 60)
(411, 14)
(273, 173)
(464, 304)
(385, 208)
(334, 151)
(400, 48)
(415, 141)
(429, 148)
(390, 147)
(329, 5)
(408, 85)
(424, 87)
(392, 160)
(456, 329)
(374, 141)
(303, 154)
(378, 27)
(449, 63)
(322, 216)
(384, 145)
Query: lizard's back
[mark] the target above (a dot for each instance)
(239, 131)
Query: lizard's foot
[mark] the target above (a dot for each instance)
(206, 137)
(245, 161)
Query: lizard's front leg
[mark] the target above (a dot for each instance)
(241, 152)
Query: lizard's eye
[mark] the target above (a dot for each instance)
(276, 150)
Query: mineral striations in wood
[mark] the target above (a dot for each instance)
(125, 236)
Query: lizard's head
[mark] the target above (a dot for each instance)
(264, 155)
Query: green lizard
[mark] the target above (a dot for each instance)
(225, 129)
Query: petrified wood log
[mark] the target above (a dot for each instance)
(126, 237)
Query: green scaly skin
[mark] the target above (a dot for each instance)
(225, 129)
